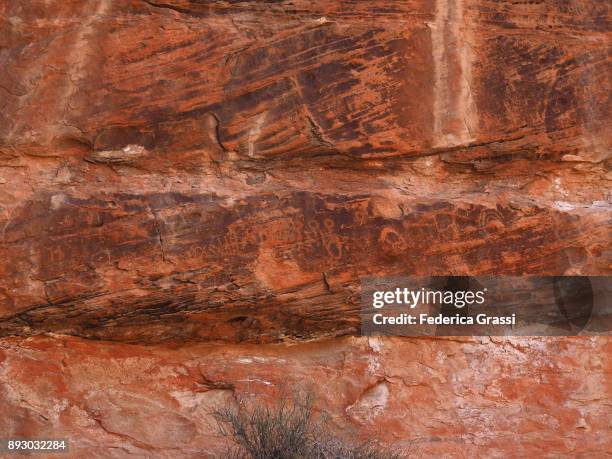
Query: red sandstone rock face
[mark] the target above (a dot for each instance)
(535, 397)
(227, 171)
(205, 165)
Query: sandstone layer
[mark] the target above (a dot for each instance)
(486, 397)
(205, 183)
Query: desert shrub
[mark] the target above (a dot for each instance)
(289, 429)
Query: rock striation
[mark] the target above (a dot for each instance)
(205, 183)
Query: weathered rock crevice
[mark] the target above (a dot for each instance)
(190, 193)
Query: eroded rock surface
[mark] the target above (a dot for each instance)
(487, 397)
(235, 168)
(182, 172)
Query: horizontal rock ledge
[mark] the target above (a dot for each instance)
(265, 256)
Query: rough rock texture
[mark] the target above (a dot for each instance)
(185, 171)
(483, 397)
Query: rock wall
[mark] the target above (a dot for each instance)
(486, 397)
(204, 183)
